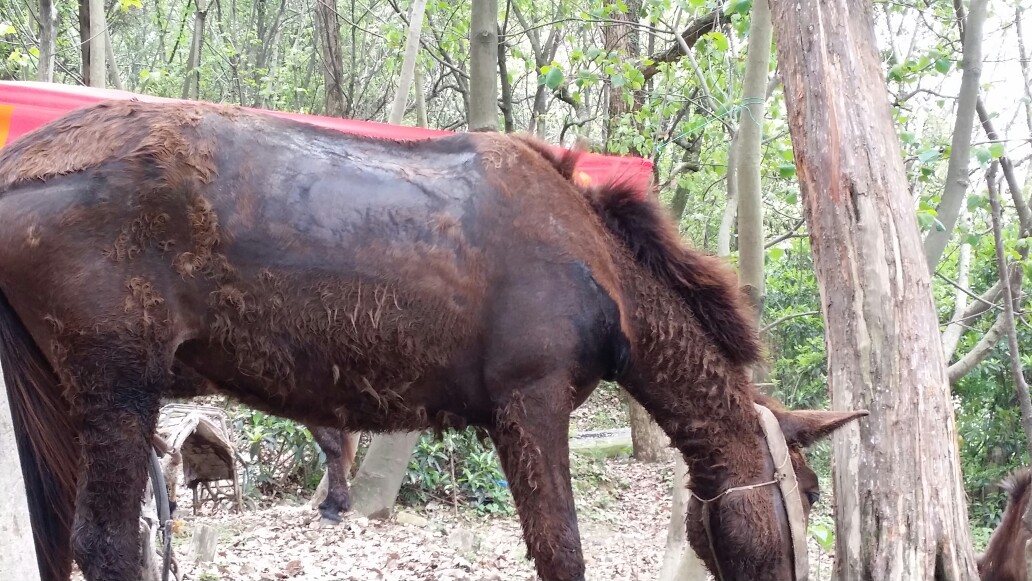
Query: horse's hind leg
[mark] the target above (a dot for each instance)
(115, 392)
(531, 435)
(339, 447)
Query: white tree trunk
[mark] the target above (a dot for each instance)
(749, 154)
(680, 563)
(957, 182)
(378, 481)
(483, 66)
(98, 36)
(408, 66)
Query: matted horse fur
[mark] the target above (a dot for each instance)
(1004, 556)
(369, 285)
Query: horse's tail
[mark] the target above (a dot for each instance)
(45, 434)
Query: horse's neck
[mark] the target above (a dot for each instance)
(701, 401)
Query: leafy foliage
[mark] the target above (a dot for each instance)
(457, 468)
(277, 454)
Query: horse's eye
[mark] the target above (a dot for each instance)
(813, 497)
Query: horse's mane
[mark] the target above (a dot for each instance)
(705, 282)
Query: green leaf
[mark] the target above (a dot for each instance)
(972, 239)
(787, 170)
(718, 39)
(928, 155)
(975, 201)
(742, 7)
(554, 78)
(6, 28)
(618, 80)
(906, 136)
(942, 65)
(982, 155)
(996, 150)
(926, 219)
(896, 73)
(775, 253)
(792, 197)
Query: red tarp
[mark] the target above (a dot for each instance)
(25, 106)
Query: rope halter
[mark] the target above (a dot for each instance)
(785, 478)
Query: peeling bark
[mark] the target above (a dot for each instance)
(900, 506)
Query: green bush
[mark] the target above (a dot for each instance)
(457, 468)
(281, 453)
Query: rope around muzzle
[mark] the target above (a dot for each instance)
(787, 484)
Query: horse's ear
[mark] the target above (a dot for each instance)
(805, 427)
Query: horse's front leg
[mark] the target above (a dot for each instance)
(116, 399)
(531, 435)
(340, 447)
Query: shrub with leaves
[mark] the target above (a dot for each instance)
(457, 468)
(278, 453)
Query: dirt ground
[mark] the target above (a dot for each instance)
(623, 511)
(623, 508)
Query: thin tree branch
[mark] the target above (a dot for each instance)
(989, 305)
(777, 322)
(1020, 385)
(790, 234)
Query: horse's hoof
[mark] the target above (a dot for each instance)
(329, 519)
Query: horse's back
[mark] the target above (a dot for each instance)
(270, 255)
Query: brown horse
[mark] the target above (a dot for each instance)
(371, 285)
(1004, 556)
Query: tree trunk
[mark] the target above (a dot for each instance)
(649, 442)
(18, 556)
(508, 124)
(420, 97)
(47, 40)
(958, 324)
(84, 39)
(483, 66)
(680, 563)
(112, 66)
(727, 219)
(192, 85)
(378, 481)
(900, 508)
(957, 182)
(327, 30)
(750, 137)
(408, 66)
(97, 27)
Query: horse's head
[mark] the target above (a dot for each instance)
(750, 523)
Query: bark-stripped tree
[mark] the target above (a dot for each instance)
(900, 506)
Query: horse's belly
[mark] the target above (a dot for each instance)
(371, 353)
